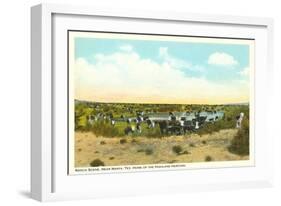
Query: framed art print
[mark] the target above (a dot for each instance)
(136, 103)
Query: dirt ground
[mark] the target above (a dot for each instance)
(142, 150)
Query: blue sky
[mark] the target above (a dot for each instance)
(195, 53)
(220, 65)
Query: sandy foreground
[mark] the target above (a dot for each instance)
(195, 148)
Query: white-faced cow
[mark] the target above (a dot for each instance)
(196, 125)
(129, 120)
(138, 127)
(90, 119)
(112, 122)
(150, 123)
(239, 119)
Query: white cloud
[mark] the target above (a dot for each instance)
(222, 59)
(126, 48)
(126, 77)
(245, 72)
(176, 62)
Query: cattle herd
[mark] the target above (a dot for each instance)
(177, 123)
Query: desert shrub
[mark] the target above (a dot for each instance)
(111, 158)
(140, 150)
(83, 125)
(104, 129)
(97, 163)
(147, 132)
(123, 141)
(149, 151)
(102, 142)
(82, 111)
(240, 142)
(204, 142)
(185, 152)
(79, 150)
(153, 132)
(208, 158)
(177, 149)
(209, 128)
(228, 119)
(191, 144)
(134, 141)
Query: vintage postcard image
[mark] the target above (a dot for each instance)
(140, 102)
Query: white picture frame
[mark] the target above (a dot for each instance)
(49, 178)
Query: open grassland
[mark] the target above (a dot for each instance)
(115, 151)
(100, 143)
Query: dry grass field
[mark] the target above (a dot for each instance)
(116, 151)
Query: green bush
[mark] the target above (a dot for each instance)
(104, 129)
(208, 159)
(97, 163)
(153, 132)
(134, 141)
(149, 151)
(204, 142)
(240, 143)
(191, 144)
(209, 128)
(177, 149)
(123, 141)
(149, 132)
(102, 142)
